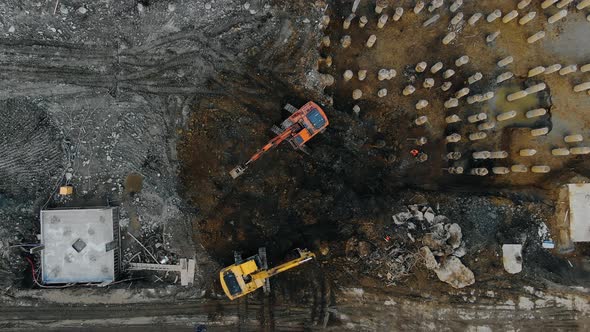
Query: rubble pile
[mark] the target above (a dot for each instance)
(150, 247)
(391, 263)
(442, 243)
(417, 234)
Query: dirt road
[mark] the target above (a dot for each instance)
(217, 315)
(354, 310)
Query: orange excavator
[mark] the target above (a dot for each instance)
(303, 124)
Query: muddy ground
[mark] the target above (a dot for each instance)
(147, 105)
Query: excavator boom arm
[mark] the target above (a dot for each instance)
(305, 256)
(271, 144)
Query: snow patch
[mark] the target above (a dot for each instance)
(525, 303)
(389, 302)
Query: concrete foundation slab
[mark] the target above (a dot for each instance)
(81, 245)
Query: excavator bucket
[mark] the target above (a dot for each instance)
(239, 170)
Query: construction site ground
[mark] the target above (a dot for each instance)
(148, 104)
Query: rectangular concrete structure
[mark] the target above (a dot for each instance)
(81, 245)
(579, 212)
(186, 267)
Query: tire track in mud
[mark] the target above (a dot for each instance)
(177, 63)
(391, 311)
(30, 150)
(362, 314)
(242, 313)
(266, 314)
(101, 70)
(210, 313)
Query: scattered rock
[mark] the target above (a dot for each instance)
(512, 258)
(455, 235)
(438, 236)
(64, 10)
(11, 29)
(429, 259)
(82, 10)
(401, 217)
(350, 247)
(416, 212)
(364, 249)
(429, 215)
(461, 251)
(441, 219)
(543, 231)
(453, 272)
(324, 248)
(430, 241)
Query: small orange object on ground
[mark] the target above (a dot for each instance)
(66, 190)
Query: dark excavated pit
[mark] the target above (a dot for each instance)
(360, 170)
(286, 199)
(290, 200)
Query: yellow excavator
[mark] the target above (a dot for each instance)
(246, 276)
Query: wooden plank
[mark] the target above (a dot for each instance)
(154, 267)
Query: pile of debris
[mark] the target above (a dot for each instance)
(442, 243)
(392, 263)
(417, 234)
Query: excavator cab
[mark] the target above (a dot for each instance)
(235, 279)
(313, 121)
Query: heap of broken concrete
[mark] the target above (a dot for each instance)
(442, 243)
(417, 234)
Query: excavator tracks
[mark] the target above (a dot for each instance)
(263, 259)
(276, 130)
(290, 108)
